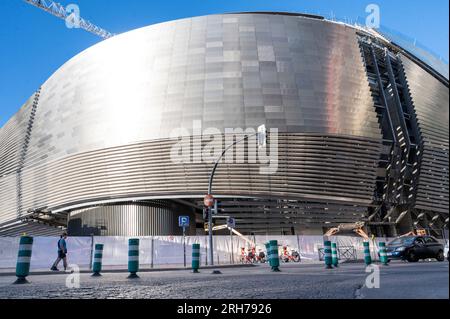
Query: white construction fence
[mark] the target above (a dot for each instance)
(161, 251)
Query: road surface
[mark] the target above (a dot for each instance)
(429, 280)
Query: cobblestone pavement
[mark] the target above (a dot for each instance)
(399, 280)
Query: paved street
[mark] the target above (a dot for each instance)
(399, 280)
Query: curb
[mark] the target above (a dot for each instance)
(112, 271)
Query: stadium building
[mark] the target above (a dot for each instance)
(362, 132)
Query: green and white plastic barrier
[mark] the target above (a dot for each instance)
(327, 254)
(97, 261)
(274, 260)
(367, 257)
(334, 255)
(195, 257)
(383, 253)
(133, 257)
(24, 259)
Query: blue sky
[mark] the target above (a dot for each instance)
(34, 44)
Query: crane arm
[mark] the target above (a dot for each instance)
(219, 227)
(356, 227)
(332, 232)
(243, 237)
(59, 11)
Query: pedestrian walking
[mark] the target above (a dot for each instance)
(62, 253)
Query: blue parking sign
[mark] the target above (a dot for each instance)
(231, 222)
(183, 221)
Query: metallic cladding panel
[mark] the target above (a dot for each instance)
(12, 138)
(30, 228)
(299, 75)
(12, 143)
(127, 220)
(431, 103)
(104, 118)
(314, 167)
(8, 198)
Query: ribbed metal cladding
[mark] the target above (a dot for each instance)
(30, 228)
(296, 74)
(12, 136)
(102, 131)
(12, 139)
(431, 103)
(315, 167)
(8, 198)
(152, 218)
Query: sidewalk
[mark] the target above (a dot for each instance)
(142, 268)
(5, 272)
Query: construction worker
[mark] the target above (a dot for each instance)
(62, 253)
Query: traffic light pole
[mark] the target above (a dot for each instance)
(211, 178)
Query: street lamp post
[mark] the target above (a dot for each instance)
(262, 136)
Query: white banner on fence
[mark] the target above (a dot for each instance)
(157, 251)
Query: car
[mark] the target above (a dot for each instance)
(414, 248)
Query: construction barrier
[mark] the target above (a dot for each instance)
(273, 255)
(162, 251)
(195, 257)
(97, 261)
(327, 253)
(367, 257)
(267, 245)
(133, 257)
(24, 259)
(383, 254)
(334, 255)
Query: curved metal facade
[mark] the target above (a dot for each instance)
(431, 100)
(130, 219)
(99, 130)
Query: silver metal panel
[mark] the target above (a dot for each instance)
(103, 121)
(30, 228)
(314, 167)
(431, 103)
(129, 219)
(296, 74)
(12, 138)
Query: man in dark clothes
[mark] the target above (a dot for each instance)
(62, 253)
